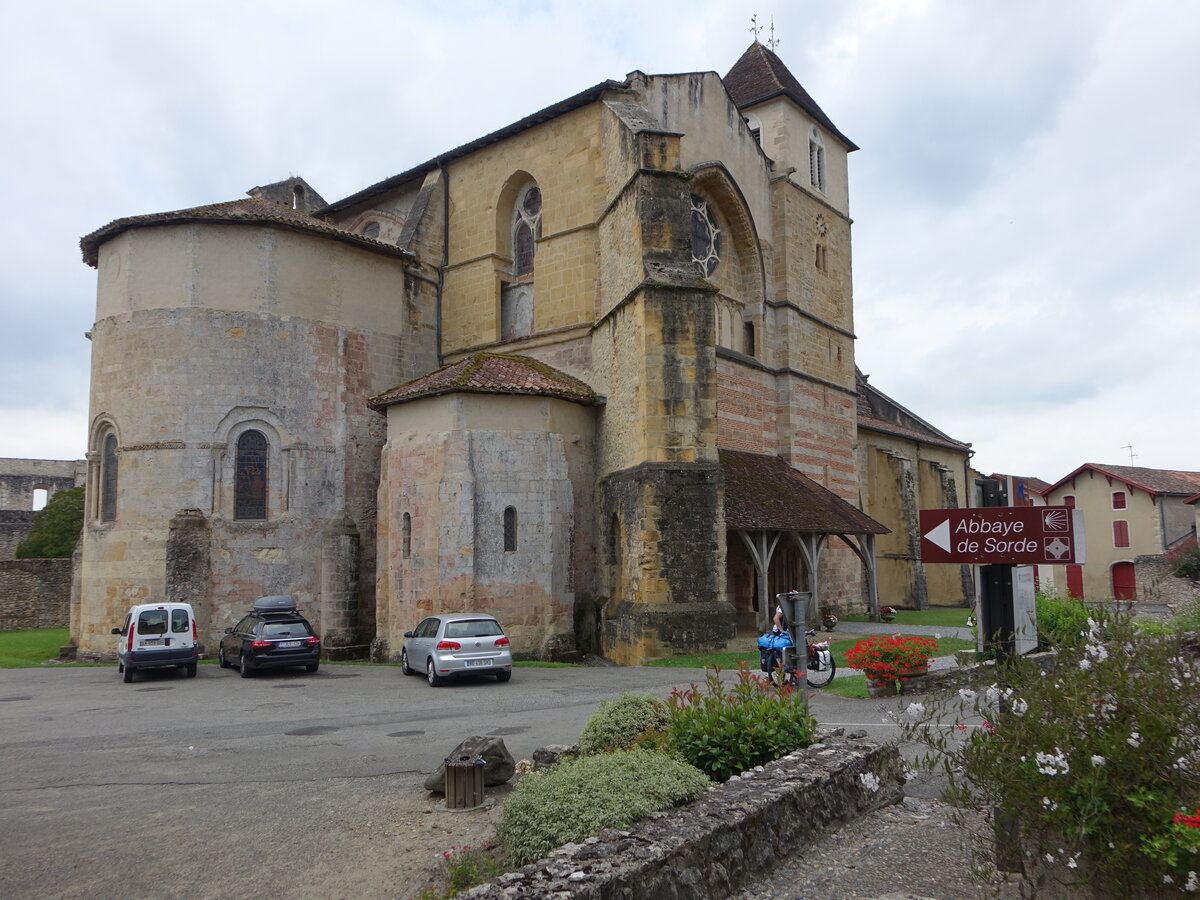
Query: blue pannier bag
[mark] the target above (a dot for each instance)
(770, 650)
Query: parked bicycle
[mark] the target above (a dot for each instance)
(775, 656)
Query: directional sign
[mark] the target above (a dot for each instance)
(1012, 535)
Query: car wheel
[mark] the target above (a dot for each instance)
(128, 674)
(191, 670)
(432, 676)
(504, 676)
(247, 672)
(221, 660)
(404, 666)
(311, 667)
(120, 668)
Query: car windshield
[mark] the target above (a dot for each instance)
(473, 628)
(286, 629)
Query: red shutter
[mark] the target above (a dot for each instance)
(1120, 533)
(1075, 581)
(1118, 499)
(1069, 501)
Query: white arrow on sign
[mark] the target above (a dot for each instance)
(940, 535)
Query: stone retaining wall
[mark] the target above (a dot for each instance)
(35, 593)
(732, 835)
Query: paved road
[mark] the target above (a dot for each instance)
(183, 787)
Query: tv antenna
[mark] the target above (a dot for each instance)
(1132, 455)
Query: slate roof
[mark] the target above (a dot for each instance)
(879, 412)
(492, 373)
(250, 211)
(761, 75)
(1152, 481)
(764, 492)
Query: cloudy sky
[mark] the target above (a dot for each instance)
(1026, 199)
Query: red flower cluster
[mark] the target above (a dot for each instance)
(886, 657)
(1190, 821)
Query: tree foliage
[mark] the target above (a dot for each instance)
(56, 527)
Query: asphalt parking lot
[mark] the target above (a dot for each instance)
(173, 786)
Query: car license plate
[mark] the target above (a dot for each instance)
(479, 662)
(151, 642)
(289, 644)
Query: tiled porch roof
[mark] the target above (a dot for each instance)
(764, 492)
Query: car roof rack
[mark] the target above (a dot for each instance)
(278, 603)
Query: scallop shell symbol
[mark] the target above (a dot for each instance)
(1055, 520)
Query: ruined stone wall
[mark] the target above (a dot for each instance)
(19, 478)
(35, 593)
(1158, 586)
(15, 526)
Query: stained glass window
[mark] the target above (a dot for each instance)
(527, 227)
(250, 477)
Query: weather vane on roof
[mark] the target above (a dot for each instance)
(757, 29)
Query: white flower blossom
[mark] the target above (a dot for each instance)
(1098, 652)
(1019, 707)
(1134, 740)
(913, 712)
(1193, 883)
(1167, 879)
(1085, 664)
(1053, 763)
(1049, 804)
(967, 695)
(870, 781)
(1071, 863)
(992, 694)
(1098, 760)
(1049, 857)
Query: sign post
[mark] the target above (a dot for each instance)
(1001, 538)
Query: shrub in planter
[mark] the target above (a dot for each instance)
(615, 723)
(1096, 760)
(726, 729)
(579, 797)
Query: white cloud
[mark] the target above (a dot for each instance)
(1024, 200)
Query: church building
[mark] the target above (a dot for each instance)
(592, 373)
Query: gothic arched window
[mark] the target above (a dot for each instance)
(250, 477)
(108, 479)
(527, 228)
(706, 236)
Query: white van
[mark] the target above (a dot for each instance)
(156, 635)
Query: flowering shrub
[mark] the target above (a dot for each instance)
(726, 730)
(1095, 760)
(1060, 620)
(885, 657)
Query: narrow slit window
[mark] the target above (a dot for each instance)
(406, 536)
(250, 477)
(108, 479)
(510, 529)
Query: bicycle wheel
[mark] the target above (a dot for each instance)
(823, 674)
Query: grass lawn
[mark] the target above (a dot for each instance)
(19, 649)
(956, 616)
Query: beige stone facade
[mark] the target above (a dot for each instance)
(501, 380)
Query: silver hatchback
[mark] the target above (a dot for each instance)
(449, 646)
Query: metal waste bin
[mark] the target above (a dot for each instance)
(464, 782)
